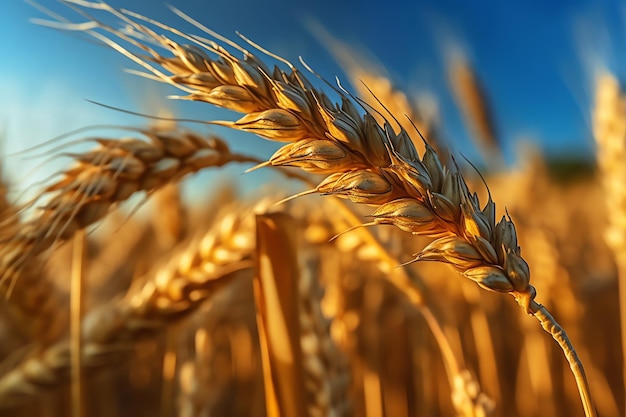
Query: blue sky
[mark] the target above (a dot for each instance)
(535, 58)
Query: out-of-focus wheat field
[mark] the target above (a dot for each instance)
(205, 298)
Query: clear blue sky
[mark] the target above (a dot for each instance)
(534, 58)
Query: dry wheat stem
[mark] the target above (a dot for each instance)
(302, 365)
(277, 305)
(550, 325)
(154, 300)
(76, 308)
(365, 162)
(109, 174)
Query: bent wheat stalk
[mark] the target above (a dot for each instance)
(365, 162)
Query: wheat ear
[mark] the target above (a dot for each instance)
(107, 175)
(154, 300)
(609, 130)
(471, 99)
(368, 163)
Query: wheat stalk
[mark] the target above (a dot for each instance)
(167, 294)
(366, 162)
(314, 380)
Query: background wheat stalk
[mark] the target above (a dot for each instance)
(471, 99)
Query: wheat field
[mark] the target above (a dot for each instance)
(376, 273)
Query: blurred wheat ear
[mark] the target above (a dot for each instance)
(609, 130)
(471, 99)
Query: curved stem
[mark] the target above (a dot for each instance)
(550, 325)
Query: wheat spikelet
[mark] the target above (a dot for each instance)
(100, 178)
(152, 301)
